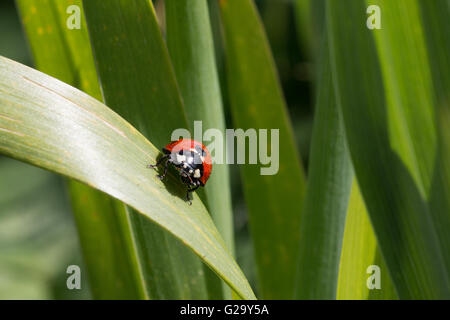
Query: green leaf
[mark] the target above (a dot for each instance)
(329, 184)
(107, 242)
(389, 120)
(52, 125)
(103, 226)
(132, 48)
(190, 44)
(273, 201)
(309, 22)
(191, 48)
(359, 251)
(435, 20)
(327, 272)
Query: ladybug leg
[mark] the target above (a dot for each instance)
(193, 189)
(189, 191)
(159, 161)
(188, 199)
(166, 165)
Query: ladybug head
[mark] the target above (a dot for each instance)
(190, 165)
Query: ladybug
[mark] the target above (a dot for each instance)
(191, 159)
